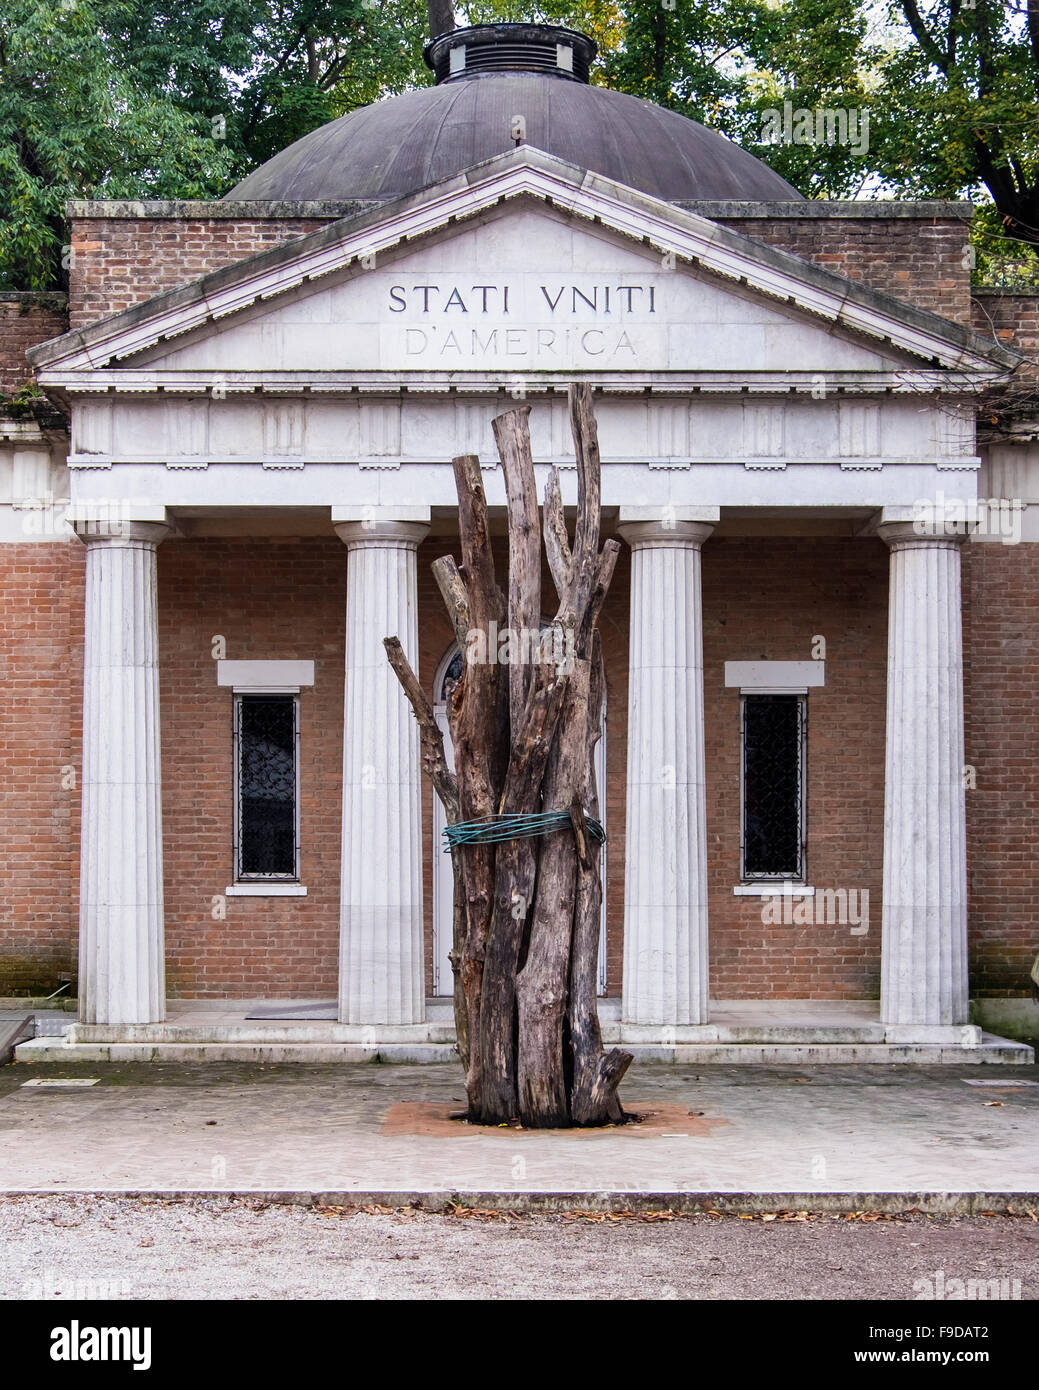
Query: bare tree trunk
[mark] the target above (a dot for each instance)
(524, 728)
(593, 1092)
(543, 984)
(441, 17)
(445, 785)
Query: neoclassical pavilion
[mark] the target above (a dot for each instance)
(768, 430)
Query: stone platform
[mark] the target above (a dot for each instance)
(942, 1138)
(794, 1032)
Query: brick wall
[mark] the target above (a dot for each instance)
(119, 262)
(25, 320)
(920, 262)
(290, 946)
(1001, 645)
(41, 643)
(271, 600)
(765, 600)
(1012, 319)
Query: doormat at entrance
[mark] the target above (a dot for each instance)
(323, 1011)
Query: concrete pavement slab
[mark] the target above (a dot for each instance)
(825, 1134)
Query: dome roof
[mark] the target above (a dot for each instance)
(408, 142)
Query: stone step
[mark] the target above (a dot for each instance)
(53, 1050)
(767, 1034)
(370, 1038)
(12, 1032)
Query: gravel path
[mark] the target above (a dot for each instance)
(76, 1247)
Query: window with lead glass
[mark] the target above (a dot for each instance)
(774, 728)
(266, 764)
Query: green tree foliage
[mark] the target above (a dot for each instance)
(181, 98)
(958, 108)
(951, 88)
(163, 99)
(74, 124)
(274, 69)
(730, 63)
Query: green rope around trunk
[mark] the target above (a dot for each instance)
(491, 829)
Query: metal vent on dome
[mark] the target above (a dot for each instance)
(482, 49)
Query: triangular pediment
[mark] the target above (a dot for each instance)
(525, 266)
(522, 289)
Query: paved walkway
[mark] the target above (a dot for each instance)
(372, 1130)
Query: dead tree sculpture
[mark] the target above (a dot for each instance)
(525, 716)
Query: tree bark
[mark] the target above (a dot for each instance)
(445, 785)
(441, 17)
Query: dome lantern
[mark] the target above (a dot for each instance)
(548, 50)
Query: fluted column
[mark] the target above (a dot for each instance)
(121, 941)
(665, 876)
(381, 973)
(924, 966)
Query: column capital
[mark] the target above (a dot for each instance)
(938, 533)
(116, 532)
(665, 535)
(384, 531)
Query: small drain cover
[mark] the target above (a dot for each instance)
(56, 1083)
(1008, 1085)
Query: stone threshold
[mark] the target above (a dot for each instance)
(761, 1032)
(991, 1049)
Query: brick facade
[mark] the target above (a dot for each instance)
(290, 946)
(41, 666)
(270, 600)
(764, 599)
(1011, 318)
(26, 319)
(1001, 652)
(120, 260)
(924, 263)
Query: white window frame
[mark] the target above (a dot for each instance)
(798, 878)
(266, 880)
(775, 678)
(265, 678)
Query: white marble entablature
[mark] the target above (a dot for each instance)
(725, 371)
(669, 431)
